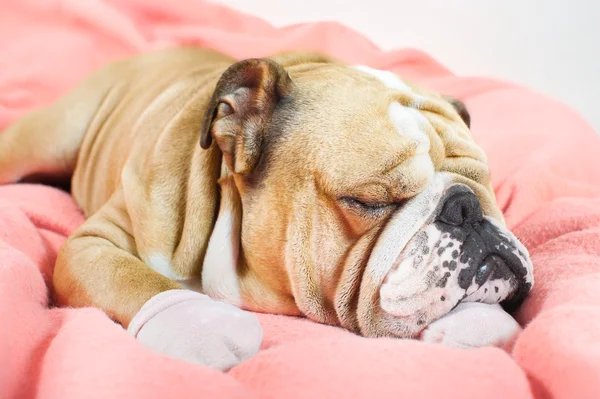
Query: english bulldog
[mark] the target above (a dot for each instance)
(293, 184)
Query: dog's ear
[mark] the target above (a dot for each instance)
(461, 108)
(239, 111)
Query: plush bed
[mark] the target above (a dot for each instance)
(545, 163)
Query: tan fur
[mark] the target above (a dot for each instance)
(129, 137)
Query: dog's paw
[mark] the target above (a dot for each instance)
(473, 325)
(191, 326)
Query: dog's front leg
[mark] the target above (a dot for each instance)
(98, 266)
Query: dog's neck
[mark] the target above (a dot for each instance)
(221, 266)
(225, 274)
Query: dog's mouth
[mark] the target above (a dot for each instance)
(442, 266)
(456, 255)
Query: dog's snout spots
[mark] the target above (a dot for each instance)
(444, 280)
(481, 261)
(450, 265)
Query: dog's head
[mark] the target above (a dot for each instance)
(357, 199)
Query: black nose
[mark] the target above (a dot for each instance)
(459, 207)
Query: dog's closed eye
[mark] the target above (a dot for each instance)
(372, 209)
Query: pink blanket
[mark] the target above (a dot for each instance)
(546, 168)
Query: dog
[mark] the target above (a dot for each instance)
(293, 184)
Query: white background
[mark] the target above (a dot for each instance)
(551, 46)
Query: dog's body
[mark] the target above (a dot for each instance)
(338, 193)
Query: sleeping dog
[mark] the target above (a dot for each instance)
(292, 184)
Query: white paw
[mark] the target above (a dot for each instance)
(473, 325)
(191, 326)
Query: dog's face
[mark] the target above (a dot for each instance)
(364, 201)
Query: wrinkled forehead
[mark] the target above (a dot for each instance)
(371, 114)
(364, 101)
(368, 87)
(373, 109)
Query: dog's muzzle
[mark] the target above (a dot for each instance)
(454, 255)
(491, 255)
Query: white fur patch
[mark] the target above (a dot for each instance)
(160, 264)
(408, 120)
(410, 123)
(219, 271)
(392, 81)
(388, 78)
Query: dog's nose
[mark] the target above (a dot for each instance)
(459, 207)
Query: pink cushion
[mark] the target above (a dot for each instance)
(546, 171)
